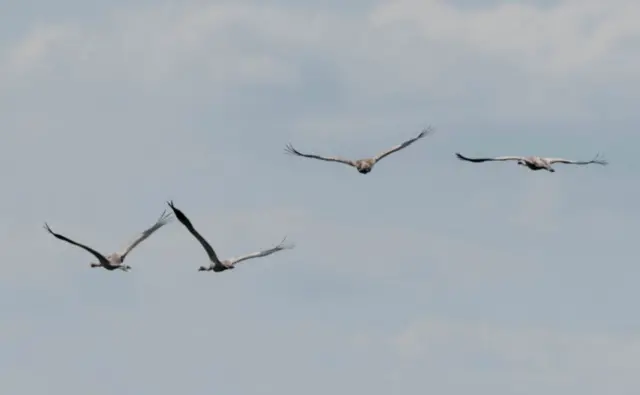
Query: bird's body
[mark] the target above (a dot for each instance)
(534, 163)
(115, 260)
(217, 265)
(364, 166)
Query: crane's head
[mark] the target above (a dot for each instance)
(93, 264)
(364, 167)
(522, 162)
(125, 268)
(203, 269)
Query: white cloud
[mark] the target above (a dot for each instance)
(511, 60)
(156, 44)
(194, 101)
(562, 39)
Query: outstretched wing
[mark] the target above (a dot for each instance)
(163, 220)
(185, 221)
(279, 247)
(595, 160)
(95, 253)
(290, 150)
(407, 143)
(479, 160)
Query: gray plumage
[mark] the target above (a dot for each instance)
(216, 264)
(535, 162)
(116, 260)
(363, 166)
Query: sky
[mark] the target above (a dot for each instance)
(428, 275)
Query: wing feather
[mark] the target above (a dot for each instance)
(279, 247)
(405, 144)
(185, 221)
(290, 150)
(103, 260)
(596, 159)
(479, 160)
(163, 220)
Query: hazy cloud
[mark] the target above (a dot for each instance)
(427, 274)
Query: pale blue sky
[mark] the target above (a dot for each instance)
(428, 275)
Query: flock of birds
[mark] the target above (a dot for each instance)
(115, 261)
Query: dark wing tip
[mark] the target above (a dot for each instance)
(165, 216)
(599, 159)
(467, 159)
(428, 130)
(180, 215)
(283, 246)
(290, 150)
(177, 211)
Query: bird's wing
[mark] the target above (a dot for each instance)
(279, 247)
(95, 253)
(596, 160)
(478, 160)
(290, 150)
(407, 143)
(185, 221)
(163, 220)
